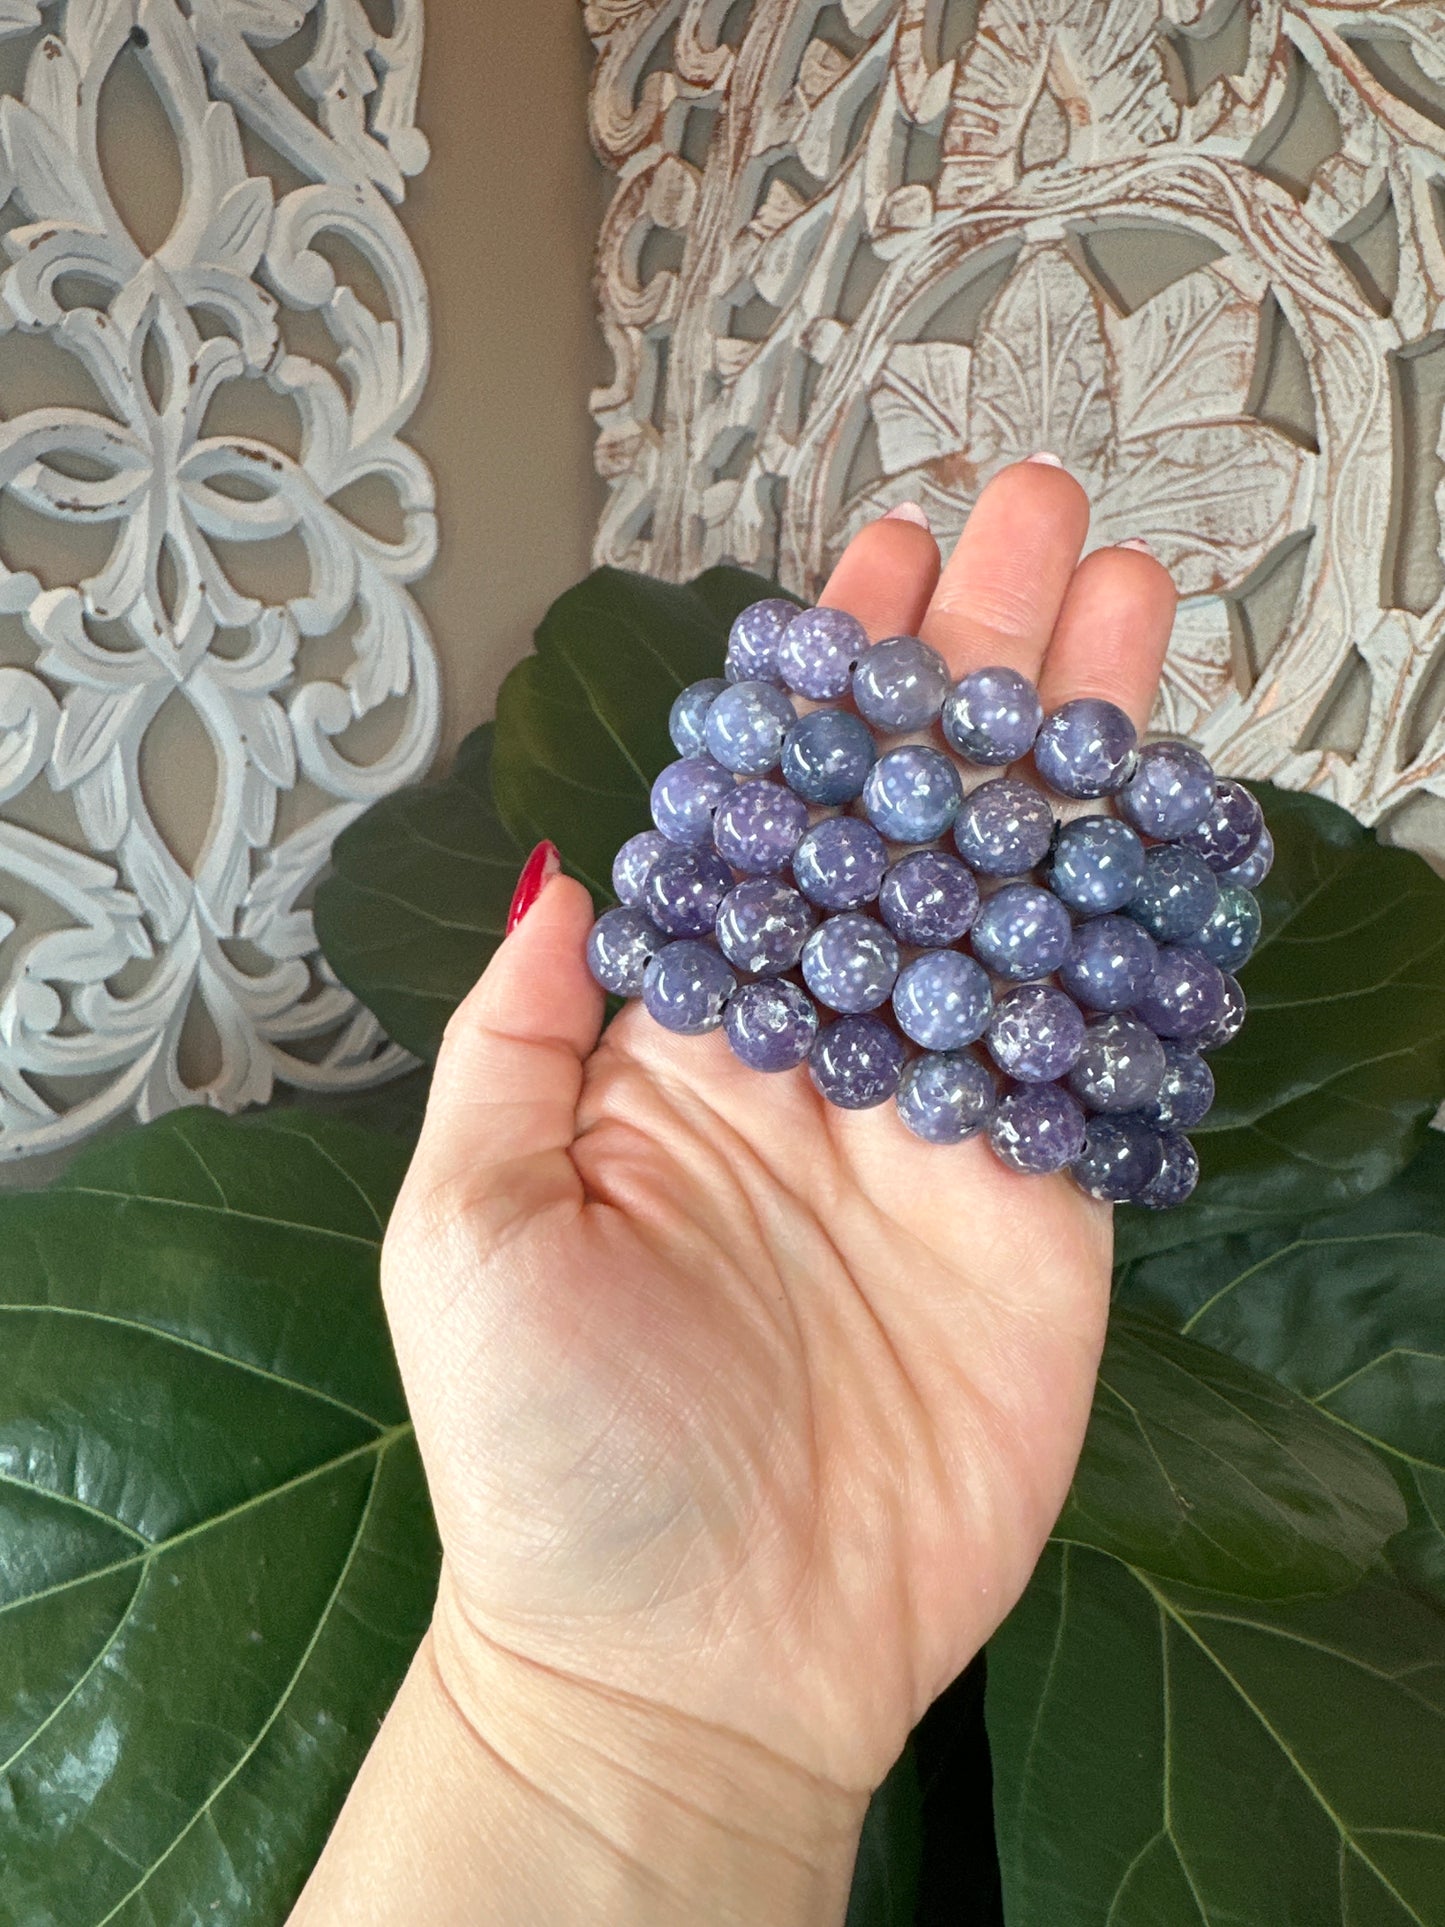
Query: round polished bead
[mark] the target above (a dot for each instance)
(912, 794)
(621, 945)
(928, 898)
(762, 926)
(1036, 1033)
(946, 1097)
(633, 861)
(900, 684)
(1171, 790)
(1231, 933)
(685, 796)
(839, 863)
(850, 963)
(688, 717)
(758, 826)
(856, 1062)
(1254, 868)
(1186, 994)
(992, 716)
(1177, 893)
(1109, 963)
(771, 1025)
(1121, 1158)
(1022, 930)
(827, 755)
(1230, 831)
(1121, 1066)
(1178, 1174)
(752, 653)
(942, 1000)
(1096, 865)
(1037, 1128)
(1230, 1019)
(746, 725)
(1186, 1092)
(686, 985)
(684, 891)
(1086, 748)
(1004, 827)
(819, 652)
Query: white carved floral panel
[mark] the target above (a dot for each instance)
(861, 252)
(131, 942)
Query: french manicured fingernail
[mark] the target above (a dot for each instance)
(910, 512)
(1135, 542)
(539, 869)
(1048, 460)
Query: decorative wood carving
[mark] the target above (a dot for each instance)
(131, 940)
(860, 253)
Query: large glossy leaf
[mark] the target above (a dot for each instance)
(1329, 1089)
(885, 1876)
(1164, 1757)
(1199, 1469)
(217, 1550)
(417, 897)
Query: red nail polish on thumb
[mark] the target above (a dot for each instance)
(539, 869)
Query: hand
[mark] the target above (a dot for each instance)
(740, 1412)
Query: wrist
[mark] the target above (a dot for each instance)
(647, 1815)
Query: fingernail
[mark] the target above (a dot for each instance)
(910, 512)
(1048, 460)
(1135, 542)
(539, 869)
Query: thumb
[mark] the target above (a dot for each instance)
(502, 1112)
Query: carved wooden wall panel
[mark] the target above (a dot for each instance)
(866, 251)
(228, 413)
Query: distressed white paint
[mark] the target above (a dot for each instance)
(160, 335)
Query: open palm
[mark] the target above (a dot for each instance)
(752, 1409)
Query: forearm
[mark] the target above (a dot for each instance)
(483, 1803)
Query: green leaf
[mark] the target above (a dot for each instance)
(582, 724)
(217, 1550)
(417, 898)
(1329, 1089)
(890, 1850)
(1164, 1757)
(1198, 1468)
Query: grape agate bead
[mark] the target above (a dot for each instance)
(685, 796)
(1177, 1177)
(1121, 1066)
(1022, 931)
(1121, 1158)
(946, 1097)
(992, 716)
(1177, 893)
(1186, 1092)
(900, 684)
(827, 755)
(758, 826)
(912, 794)
(1086, 748)
(1036, 1033)
(1171, 790)
(856, 1062)
(746, 725)
(1037, 1128)
(1004, 827)
(819, 650)
(942, 1000)
(1231, 1017)
(928, 898)
(850, 963)
(1186, 994)
(1109, 964)
(771, 1026)
(633, 861)
(839, 863)
(688, 716)
(1255, 867)
(621, 945)
(684, 891)
(752, 653)
(1229, 937)
(763, 925)
(1230, 831)
(1097, 864)
(685, 987)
